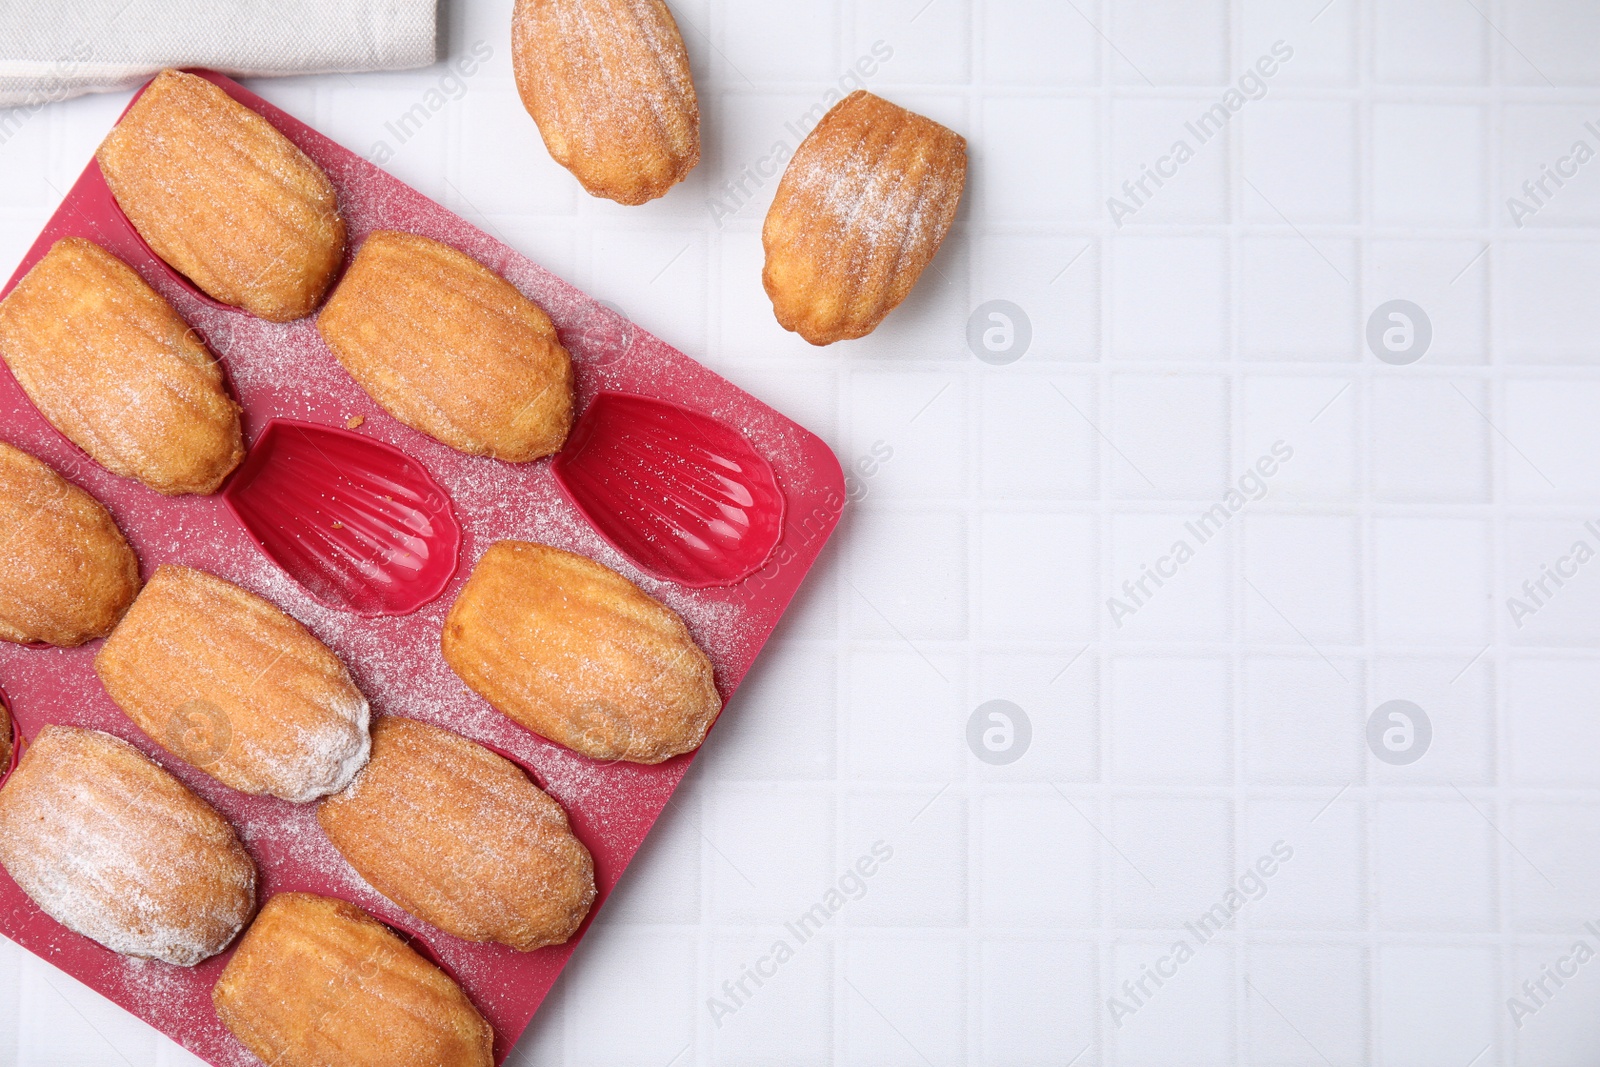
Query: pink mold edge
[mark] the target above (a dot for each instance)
(359, 524)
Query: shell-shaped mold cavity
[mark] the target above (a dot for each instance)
(358, 523)
(683, 496)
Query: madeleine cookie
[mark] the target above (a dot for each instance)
(450, 348)
(105, 358)
(225, 680)
(861, 209)
(608, 83)
(317, 982)
(459, 837)
(66, 572)
(574, 651)
(116, 849)
(225, 198)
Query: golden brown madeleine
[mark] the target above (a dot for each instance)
(861, 210)
(450, 348)
(227, 681)
(105, 358)
(318, 982)
(577, 653)
(608, 83)
(66, 572)
(459, 837)
(225, 198)
(116, 849)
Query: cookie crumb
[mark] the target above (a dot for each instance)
(338, 525)
(354, 422)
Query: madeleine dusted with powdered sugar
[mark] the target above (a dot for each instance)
(66, 572)
(225, 680)
(459, 837)
(608, 83)
(105, 358)
(225, 198)
(862, 208)
(116, 849)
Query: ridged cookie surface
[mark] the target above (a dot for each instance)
(116, 849)
(450, 348)
(459, 837)
(317, 982)
(608, 83)
(227, 681)
(66, 572)
(105, 358)
(577, 653)
(861, 210)
(225, 198)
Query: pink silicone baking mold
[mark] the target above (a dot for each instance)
(723, 530)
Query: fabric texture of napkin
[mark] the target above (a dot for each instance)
(55, 50)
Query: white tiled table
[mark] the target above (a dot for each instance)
(1228, 711)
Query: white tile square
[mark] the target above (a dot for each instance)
(1433, 864)
(1428, 164)
(921, 839)
(1300, 157)
(1159, 173)
(1169, 298)
(1320, 36)
(932, 39)
(632, 996)
(1302, 724)
(1552, 839)
(1311, 422)
(1033, 442)
(1166, 583)
(1304, 579)
(1547, 174)
(906, 573)
(1543, 309)
(658, 277)
(1437, 1005)
(1037, 1002)
(770, 1003)
(1187, 1021)
(915, 725)
(1430, 580)
(919, 421)
(1306, 1004)
(1039, 862)
(903, 1000)
(1171, 858)
(1430, 42)
(784, 41)
(1034, 45)
(1168, 42)
(1169, 436)
(1561, 1031)
(1056, 282)
(1552, 594)
(1170, 721)
(1458, 694)
(1427, 441)
(1549, 430)
(1550, 36)
(508, 174)
(1297, 299)
(1448, 280)
(782, 723)
(1020, 175)
(1321, 885)
(1036, 573)
(755, 875)
(745, 154)
(1060, 694)
(1551, 740)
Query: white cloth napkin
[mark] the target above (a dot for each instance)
(53, 49)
